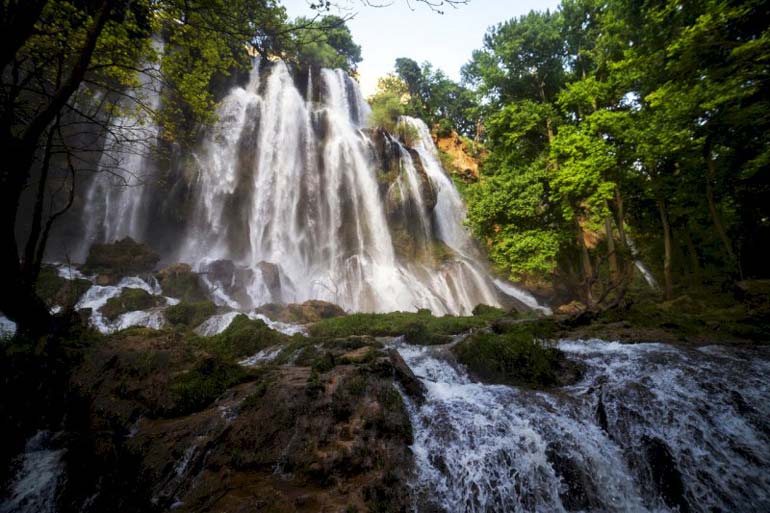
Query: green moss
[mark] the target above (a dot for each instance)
(129, 300)
(244, 337)
(183, 284)
(197, 388)
(510, 358)
(418, 328)
(55, 290)
(190, 314)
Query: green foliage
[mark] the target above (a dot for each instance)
(418, 328)
(325, 42)
(129, 300)
(183, 284)
(387, 107)
(190, 314)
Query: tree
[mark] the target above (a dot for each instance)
(69, 64)
(325, 42)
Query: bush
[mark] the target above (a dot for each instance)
(129, 300)
(190, 314)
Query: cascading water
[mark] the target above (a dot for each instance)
(116, 199)
(291, 192)
(649, 428)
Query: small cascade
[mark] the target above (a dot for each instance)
(650, 428)
(41, 472)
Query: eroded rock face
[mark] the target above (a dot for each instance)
(271, 276)
(326, 434)
(310, 311)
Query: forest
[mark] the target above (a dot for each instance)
(235, 278)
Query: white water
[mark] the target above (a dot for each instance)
(218, 323)
(286, 183)
(38, 478)
(484, 448)
(116, 199)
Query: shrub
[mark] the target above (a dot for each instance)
(197, 388)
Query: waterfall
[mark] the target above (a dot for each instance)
(649, 428)
(286, 182)
(290, 197)
(116, 198)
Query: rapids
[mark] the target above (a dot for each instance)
(650, 428)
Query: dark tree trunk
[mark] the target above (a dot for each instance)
(668, 287)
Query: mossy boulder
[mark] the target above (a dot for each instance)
(129, 300)
(200, 386)
(179, 281)
(243, 337)
(190, 314)
(515, 359)
(124, 257)
(518, 352)
(310, 311)
(56, 290)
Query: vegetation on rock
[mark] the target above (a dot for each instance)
(129, 300)
(180, 282)
(189, 314)
(121, 258)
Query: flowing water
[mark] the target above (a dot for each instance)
(650, 427)
(294, 192)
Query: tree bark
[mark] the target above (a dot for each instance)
(694, 260)
(611, 253)
(18, 299)
(585, 261)
(715, 217)
(668, 288)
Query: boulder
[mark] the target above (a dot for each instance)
(124, 257)
(129, 300)
(271, 276)
(310, 311)
(179, 281)
(226, 276)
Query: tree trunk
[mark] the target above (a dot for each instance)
(694, 260)
(666, 248)
(611, 254)
(585, 262)
(716, 219)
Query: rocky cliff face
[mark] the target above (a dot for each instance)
(164, 423)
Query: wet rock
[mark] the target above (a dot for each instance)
(124, 257)
(271, 276)
(412, 386)
(665, 473)
(189, 314)
(224, 275)
(310, 311)
(179, 281)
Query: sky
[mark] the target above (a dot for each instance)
(446, 41)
